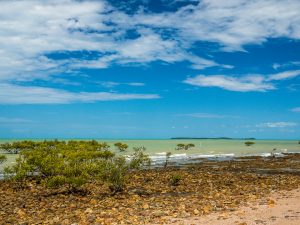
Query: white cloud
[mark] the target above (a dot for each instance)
(9, 120)
(111, 84)
(148, 47)
(29, 30)
(277, 124)
(284, 75)
(231, 23)
(285, 65)
(137, 84)
(243, 84)
(297, 109)
(203, 115)
(14, 94)
(108, 84)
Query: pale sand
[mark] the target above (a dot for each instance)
(280, 208)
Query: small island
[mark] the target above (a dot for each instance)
(213, 138)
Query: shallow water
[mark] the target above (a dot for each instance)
(206, 146)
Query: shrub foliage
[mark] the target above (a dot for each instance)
(73, 164)
(121, 146)
(249, 143)
(184, 146)
(175, 179)
(2, 158)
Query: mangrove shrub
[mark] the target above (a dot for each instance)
(175, 179)
(121, 146)
(61, 164)
(2, 159)
(184, 146)
(73, 164)
(249, 143)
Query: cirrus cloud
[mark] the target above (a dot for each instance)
(296, 109)
(14, 94)
(284, 75)
(232, 23)
(230, 83)
(277, 124)
(244, 83)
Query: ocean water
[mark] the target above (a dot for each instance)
(203, 146)
(214, 146)
(220, 149)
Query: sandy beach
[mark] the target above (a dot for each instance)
(280, 208)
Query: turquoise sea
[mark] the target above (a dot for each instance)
(204, 148)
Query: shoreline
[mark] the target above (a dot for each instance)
(151, 197)
(183, 159)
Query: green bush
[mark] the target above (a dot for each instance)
(121, 146)
(16, 147)
(249, 143)
(139, 159)
(117, 169)
(115, 174)
(70, 164)
(185, 147)
(175, 179)
(2, 158)
(180, 146)
(190, 145)
(73, 164)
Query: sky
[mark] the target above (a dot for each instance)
(147, 69)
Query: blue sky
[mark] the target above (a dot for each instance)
(149, 69)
